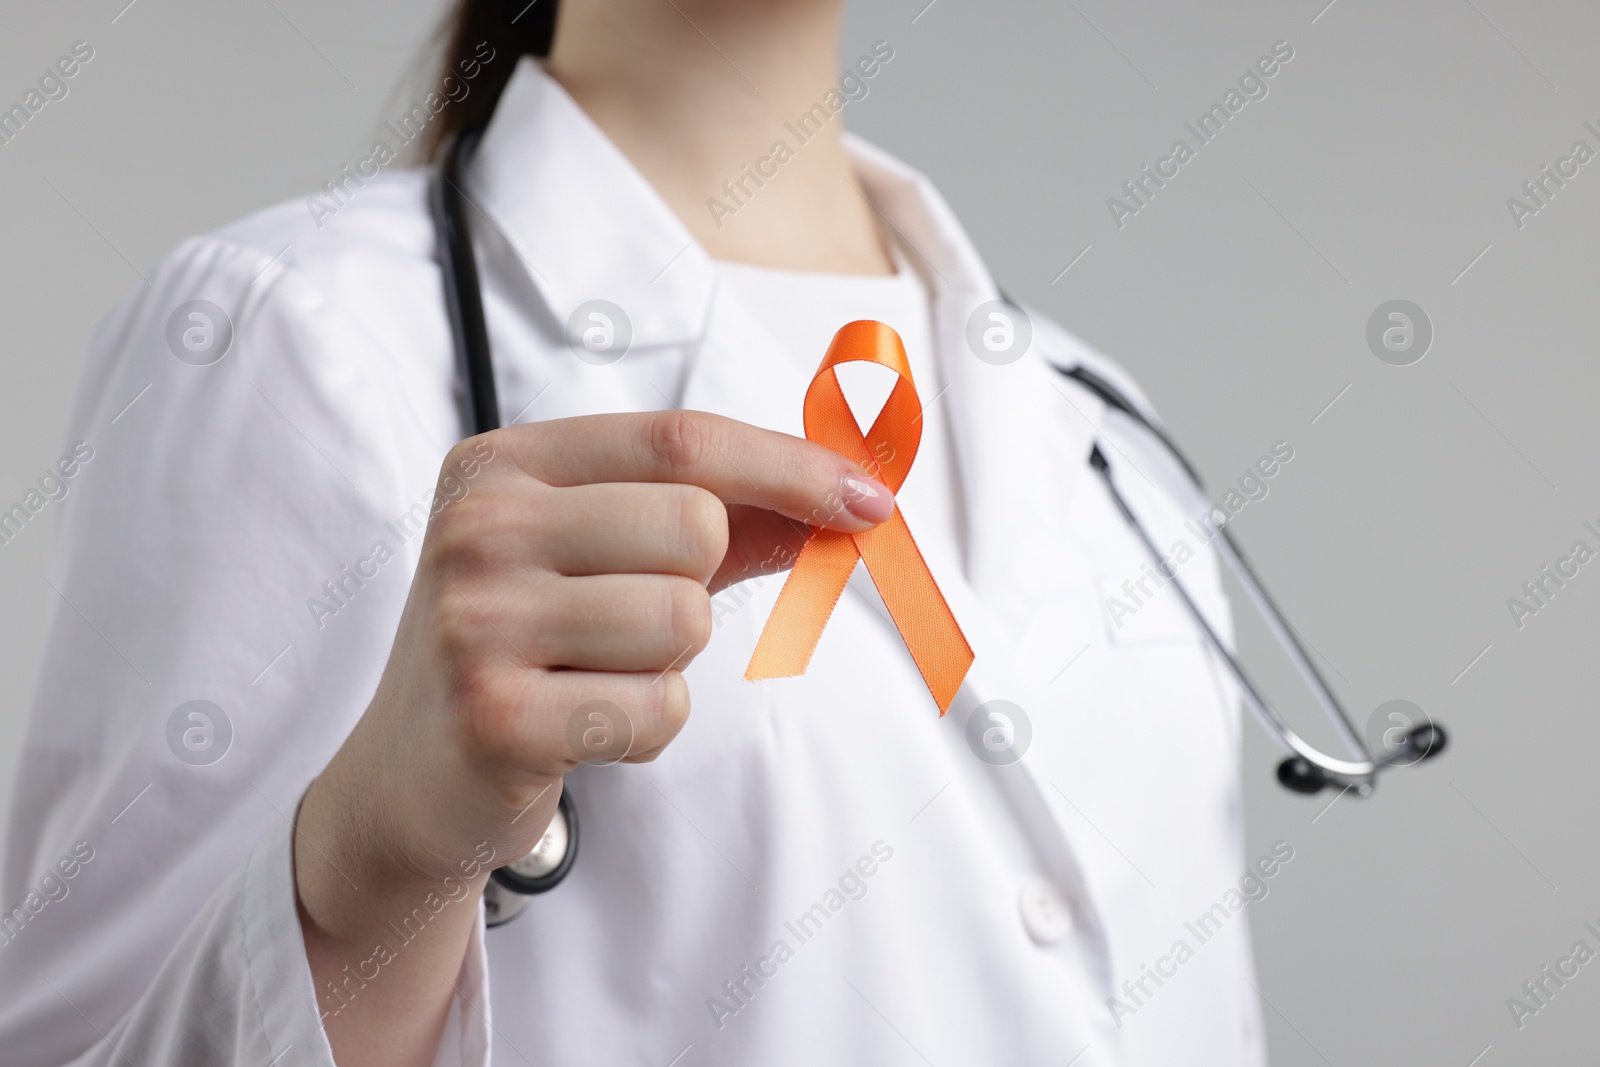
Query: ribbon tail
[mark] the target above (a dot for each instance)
(925, 621)
(807, 599)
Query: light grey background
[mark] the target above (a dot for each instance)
(1378, 167)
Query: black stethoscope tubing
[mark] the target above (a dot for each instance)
(470, 329)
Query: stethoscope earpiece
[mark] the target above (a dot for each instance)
(1299, 775)
(1427, 741)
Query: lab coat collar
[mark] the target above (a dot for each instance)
(584, 221)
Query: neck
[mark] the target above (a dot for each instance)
(706, 98)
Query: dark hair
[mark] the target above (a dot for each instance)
(513, 28)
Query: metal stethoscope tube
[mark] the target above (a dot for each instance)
(1308, 769)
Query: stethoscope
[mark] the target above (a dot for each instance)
(1307, 769)
(544, 868)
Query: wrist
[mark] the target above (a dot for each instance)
(383, 940)
(352, 879)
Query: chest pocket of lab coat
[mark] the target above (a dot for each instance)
(1155, 688)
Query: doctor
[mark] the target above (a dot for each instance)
(317, 663)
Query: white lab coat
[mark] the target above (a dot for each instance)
(219, 500)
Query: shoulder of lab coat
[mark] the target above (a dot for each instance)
(1129, 444)
(178, 943)
(1064, 349)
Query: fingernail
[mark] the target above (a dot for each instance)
(866, 499)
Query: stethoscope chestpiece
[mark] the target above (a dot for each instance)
(541, 870)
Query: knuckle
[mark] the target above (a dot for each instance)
(487, 702)
(822, 483)
(549, 704)
(811, 476)
(676, 444)
(483, 531)
(455, 540)
(702, 524)
(674, 702)
(802, 466)
(457, 623)
(468, 458)
(689, 614)
(456, 456)
(671, 704)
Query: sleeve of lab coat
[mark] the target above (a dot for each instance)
(211, 508)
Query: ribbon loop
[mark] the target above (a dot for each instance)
(893, 561)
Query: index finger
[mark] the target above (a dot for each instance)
(740, 463)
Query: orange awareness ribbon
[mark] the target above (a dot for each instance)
(823, 567)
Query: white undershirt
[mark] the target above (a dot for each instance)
(803, 310)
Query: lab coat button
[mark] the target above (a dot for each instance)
(1046, 913)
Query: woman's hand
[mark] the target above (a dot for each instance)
(577, 568)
